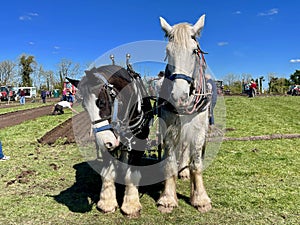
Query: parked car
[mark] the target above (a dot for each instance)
(30, 92)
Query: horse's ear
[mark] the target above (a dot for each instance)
(73, 81)
(165, 26)
(199, 25)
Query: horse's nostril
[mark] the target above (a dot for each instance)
(172, 96)
(108, 145)
(184, 97)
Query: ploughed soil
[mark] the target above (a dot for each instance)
(17, 117)
(80, 123)
(78, 126)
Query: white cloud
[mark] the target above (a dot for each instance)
(23, 18)
(222, 43)
(270, 12)
(28, 16)
(56, 47)
(295, 60)
(237, 12)
(33, 14)
(31, 43)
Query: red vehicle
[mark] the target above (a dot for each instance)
(4, 93)
(8, 92)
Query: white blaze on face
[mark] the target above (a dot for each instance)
(105, 139)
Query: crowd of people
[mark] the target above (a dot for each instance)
(251, 88)
(66, 102)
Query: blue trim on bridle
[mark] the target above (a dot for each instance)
(103, 128)
(181, 76)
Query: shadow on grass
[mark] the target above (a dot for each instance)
(84, 193)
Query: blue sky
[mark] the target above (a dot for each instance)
(242, 36)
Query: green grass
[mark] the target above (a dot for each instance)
(252, 182)
(263, 115)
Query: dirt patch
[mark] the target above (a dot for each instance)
(22, 178)
(79, 124)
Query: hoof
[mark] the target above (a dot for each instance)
(106, 208)
(184, 174)
(204, 208)
(132, 215)
(131, 211)
(201, 203)
(164, 209)
(167, 204)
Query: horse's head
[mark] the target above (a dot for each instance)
(95, 101)
(183, 59)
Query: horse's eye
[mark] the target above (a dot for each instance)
(100, 103)
(170, 37)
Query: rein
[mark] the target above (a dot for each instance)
(200, 94)
(201, 97)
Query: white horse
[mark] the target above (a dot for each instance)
(185, 112)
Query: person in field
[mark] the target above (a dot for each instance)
(212, 88)
(59, 107)
(2, 156)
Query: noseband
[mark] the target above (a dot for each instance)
(181, 76)
(201, 96)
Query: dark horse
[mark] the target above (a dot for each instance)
(120, 113)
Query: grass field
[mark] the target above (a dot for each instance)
(251, 182)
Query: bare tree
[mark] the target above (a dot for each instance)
(7, 71)
(246, 77)
(229, 79)
(49, 79)
(66, 68)
(38, 76)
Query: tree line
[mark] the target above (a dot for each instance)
(26, 72)
(275, 85)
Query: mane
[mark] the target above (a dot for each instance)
(181, 35)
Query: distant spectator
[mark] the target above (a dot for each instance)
(70, 97)
(22, 97)
(212, 88)
(253, 87)
(10, 96)
(43, 95)
(64, 95)
(295, 90)
(2, 156)
(159, 82)
(59, 107)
